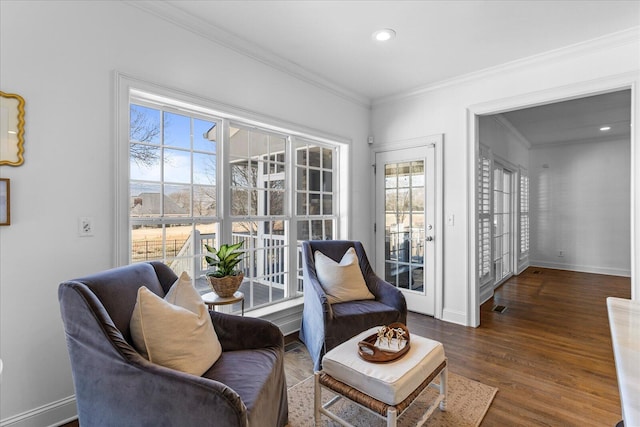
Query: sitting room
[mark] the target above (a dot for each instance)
(479, 157)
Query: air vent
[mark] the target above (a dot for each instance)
(499, 308)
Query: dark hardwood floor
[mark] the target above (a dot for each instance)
(549, 353)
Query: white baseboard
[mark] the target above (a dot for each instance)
(582, 268)
(52, 414)
(454, 316)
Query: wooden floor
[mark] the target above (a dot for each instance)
(549, 353)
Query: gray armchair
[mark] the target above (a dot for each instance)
(115, 386)
(325, 325)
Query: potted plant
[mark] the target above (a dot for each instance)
(225, 279)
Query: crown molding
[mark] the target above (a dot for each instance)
(505, 123)
(629, 36)
(598, 139)
(200, 27)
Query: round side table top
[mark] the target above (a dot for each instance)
(215, 299)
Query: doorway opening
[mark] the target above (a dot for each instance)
(574, 211)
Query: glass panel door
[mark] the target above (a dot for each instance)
(405, 220)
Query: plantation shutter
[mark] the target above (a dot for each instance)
(484, 215)
(524, 213)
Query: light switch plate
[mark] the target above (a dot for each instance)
(85, 226)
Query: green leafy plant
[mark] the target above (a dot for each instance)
(224, 259)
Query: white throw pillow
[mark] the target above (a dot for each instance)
(176, 331)
(342, 281)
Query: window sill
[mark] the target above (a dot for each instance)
(270, 310)
(286, 315)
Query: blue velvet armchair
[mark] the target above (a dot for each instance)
(116, 386)
(325, 325)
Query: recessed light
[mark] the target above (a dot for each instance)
(384, 35)
(605, 128)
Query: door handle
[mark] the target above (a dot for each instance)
(428, 238)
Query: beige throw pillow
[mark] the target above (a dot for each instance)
(176, 331)
(341, 281)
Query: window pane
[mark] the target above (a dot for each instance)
(276, 203)
(144, 124)
(205, 135)
(328, 229)
(204, 168)
(239, 202)
(303, 230)
(301, 178)
(314, 156)
(316, 230)
(314, 180)
(204, 200)
(145, 200)
(144, 162)
(177, 130)
(301, 204)
(177, 200)
(177, 166)
(327, 158)
(327, 205)
(327, 181)
(301, 156)
(146, 243)
(239, 146)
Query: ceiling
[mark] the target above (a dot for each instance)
(578, 120)
(330, 42)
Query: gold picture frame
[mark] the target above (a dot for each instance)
(11, 129)
(5, 207)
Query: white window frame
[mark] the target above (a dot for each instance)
(127, 87)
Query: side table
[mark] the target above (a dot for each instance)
(212, 300)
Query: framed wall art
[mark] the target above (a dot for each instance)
(11, 129)
(5, 208)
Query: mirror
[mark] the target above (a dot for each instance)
(11, 129)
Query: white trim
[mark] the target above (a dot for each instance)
(582, 268)
(51, 414)
(607, 84)
(609, 41)
(454, 316)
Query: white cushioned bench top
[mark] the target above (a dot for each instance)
(391, 382)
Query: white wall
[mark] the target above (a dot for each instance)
(449, 108)
(580, 206)
(62, 57)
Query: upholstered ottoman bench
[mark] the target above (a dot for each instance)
(386, 389)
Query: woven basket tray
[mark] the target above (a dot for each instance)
(226, 286)
(368, 350)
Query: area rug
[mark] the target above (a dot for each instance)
(467, 403)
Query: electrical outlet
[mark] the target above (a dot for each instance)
(85, 226)
(560, 254)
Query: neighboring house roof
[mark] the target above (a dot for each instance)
(149, 204)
